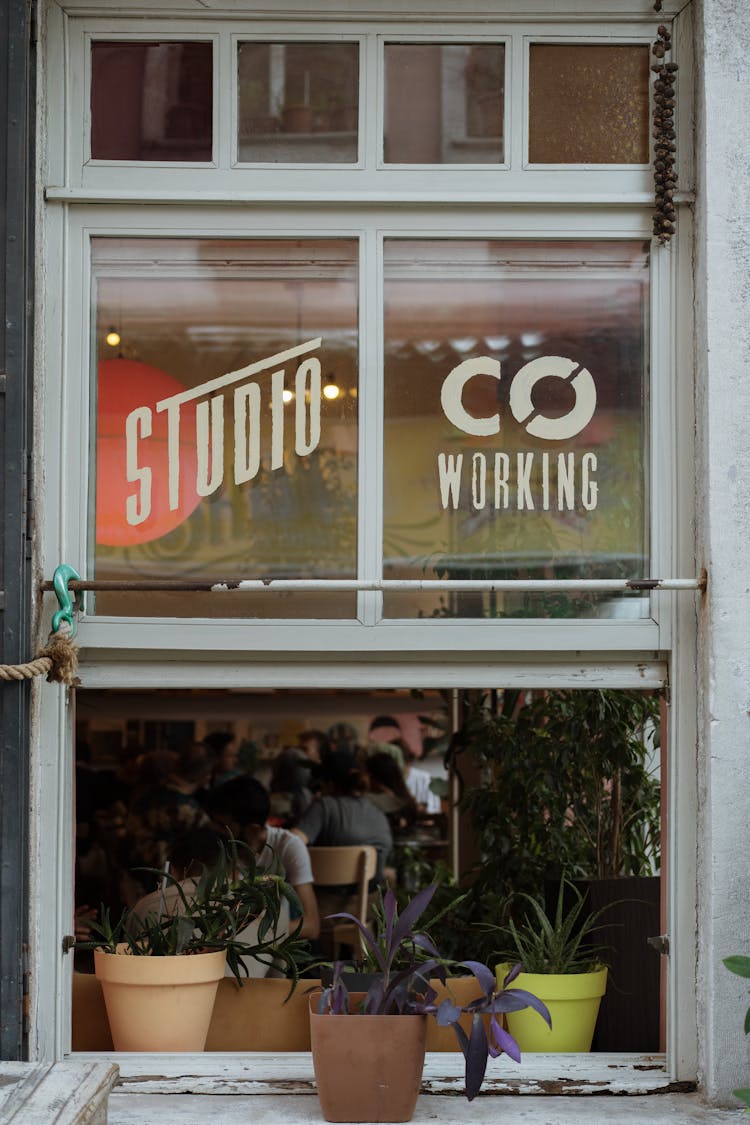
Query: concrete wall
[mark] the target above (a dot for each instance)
(723, 412)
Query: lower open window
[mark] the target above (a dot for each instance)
(491, 795)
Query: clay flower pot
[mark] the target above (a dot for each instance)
(367, 1068)
(159, 1003)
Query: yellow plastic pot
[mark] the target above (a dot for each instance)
(573, 1000)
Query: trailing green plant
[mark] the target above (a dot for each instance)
(557, 943)
(740, 965)
(211, 913)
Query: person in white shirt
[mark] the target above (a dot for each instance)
(241, 806)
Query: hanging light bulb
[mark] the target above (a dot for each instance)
(112, 337)
(331, 389)
(287, 394)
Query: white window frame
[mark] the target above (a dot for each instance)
(86, 199)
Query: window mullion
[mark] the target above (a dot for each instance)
(370, 408)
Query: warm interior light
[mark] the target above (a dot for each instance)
(113, 338)
(287, 394)
(331, 390)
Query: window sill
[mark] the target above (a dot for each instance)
(220, 1073)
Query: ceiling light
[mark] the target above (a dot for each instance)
(331, 389)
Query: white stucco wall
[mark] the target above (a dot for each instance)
(723, 412)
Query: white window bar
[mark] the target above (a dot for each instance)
(355, 584)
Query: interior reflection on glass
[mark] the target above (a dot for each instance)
(298, 102)
(515, 421)
(151, 101)
(444, 103)
(226, 420)
(588, 104)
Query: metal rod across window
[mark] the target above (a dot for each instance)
(385, 585)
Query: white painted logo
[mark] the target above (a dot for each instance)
(524, 480)
(247, 401)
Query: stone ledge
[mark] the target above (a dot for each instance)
(73, 1092)
(129, 1108)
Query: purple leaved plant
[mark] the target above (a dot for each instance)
(494, 1002)
(406, 960)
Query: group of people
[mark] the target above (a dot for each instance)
(317, 793)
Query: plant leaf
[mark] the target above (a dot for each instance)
(484, 975)
(738, 964)
(504, 1042)
(476, 1057)
(516, 999)
(514, 972)
(447, 1013)
(410, 913)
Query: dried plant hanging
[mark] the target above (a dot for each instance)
(665, 175)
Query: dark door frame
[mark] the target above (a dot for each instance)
(17, 95)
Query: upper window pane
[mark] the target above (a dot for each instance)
(298, 102)
(444, 104)
(151, 101)
(588, 104)
(515, 421)
(226, 420)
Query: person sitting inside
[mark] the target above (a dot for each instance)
(291, 785)
(241, 806)
(387, 789)
(189, 855)
(224, 745)
(163, 812)
(344, 815)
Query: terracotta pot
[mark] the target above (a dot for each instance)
(261, 1016)
(297, 119)
(367, 1068)
(159, 1003)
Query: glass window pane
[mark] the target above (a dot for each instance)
(444, 104)
(151, 101)
(298, 102)
(588, 104)
(219, 451)
(515, 421)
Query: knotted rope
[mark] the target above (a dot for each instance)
(58, 660)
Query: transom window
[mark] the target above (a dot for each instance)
(362, 378)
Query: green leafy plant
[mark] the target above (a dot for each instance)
(561, 943)
(556, 781)
(740, 965)
(211, 913)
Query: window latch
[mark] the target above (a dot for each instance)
(660, 943)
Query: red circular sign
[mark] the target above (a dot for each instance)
(123, 385)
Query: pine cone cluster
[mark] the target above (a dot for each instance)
(665, 175)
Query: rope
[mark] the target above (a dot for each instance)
(58, 661)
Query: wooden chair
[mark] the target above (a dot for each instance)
(350, 864)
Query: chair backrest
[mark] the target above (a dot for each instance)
(341, 866)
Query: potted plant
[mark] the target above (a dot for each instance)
(562, 966)
(381, 1033)
(565, 780)
(160, 971)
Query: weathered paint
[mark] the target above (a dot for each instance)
(723, 510)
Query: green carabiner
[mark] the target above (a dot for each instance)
(68, 602)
